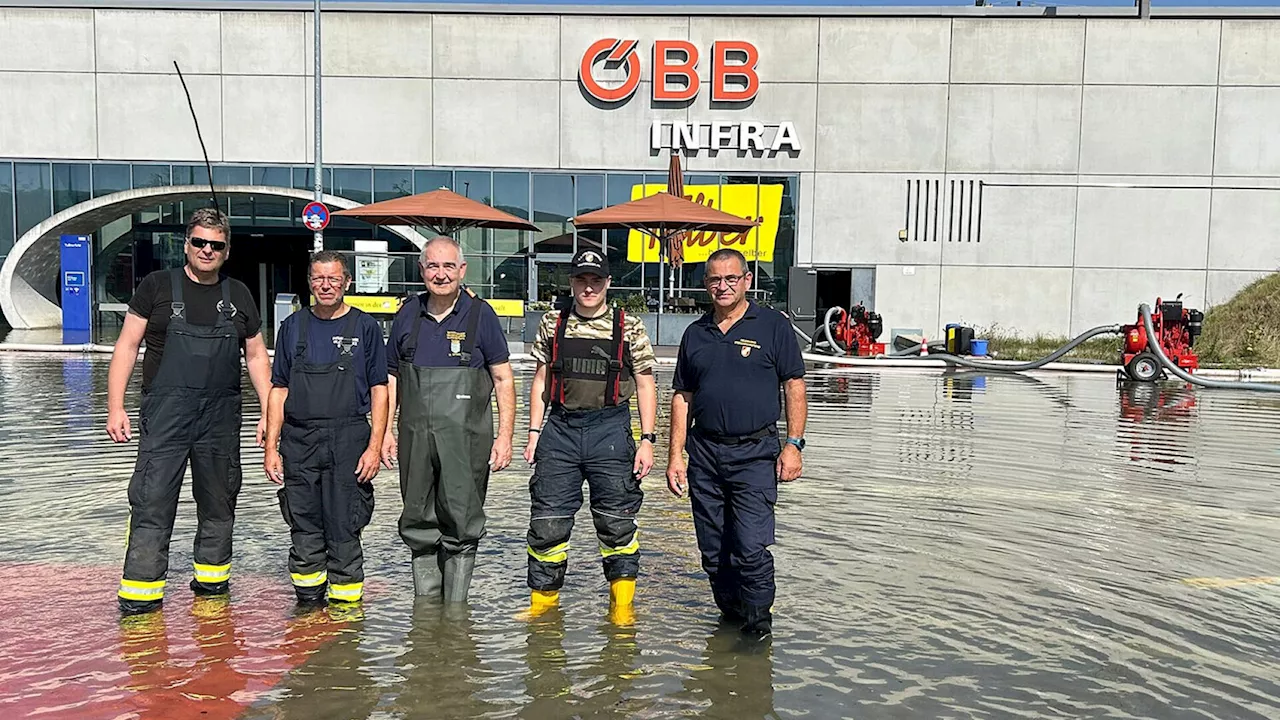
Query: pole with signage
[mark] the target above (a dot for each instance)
(318, 244)
(77, 301)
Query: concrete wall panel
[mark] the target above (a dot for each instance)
(149, 41)
(1031, 301)
(594, 137)
(1017, 51)
(264, 119)
(1167, 52)
(58, 40)
(1243, 230)
(1247, 141)
(1250, 53)
(889, 50)
(264, 44)
(502, 47)
(143, 117)
(577, 33)
(396, 45)
(907, 297)
(497, 123)
(1147, 130)
(373, 121)
(1020, 226)
(790, 102)
(1224, 284)
(788, 46)
(804, 219)
(857, 218)
(1141, 227)
(1013, 128)
(881, 128)
(33, 127)
(1105, 297)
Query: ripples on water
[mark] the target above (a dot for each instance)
(959, 545)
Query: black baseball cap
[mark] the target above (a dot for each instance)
(590, 262)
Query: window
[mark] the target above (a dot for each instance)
(268, 209)
(34, 192)
(626, 272)
(109, 179)
(511, 269)
(391, 183)
(233, 175)
(428, 180)
(148, 176)
(6, 208)
(477, 244)
(71, 185)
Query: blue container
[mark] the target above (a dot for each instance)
(978, 347)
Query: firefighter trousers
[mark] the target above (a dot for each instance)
(325, 507)
(596, 446)
(175, 429)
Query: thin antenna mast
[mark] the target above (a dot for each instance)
(199, 137)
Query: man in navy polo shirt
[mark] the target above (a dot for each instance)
(446, 357)
(729, 368)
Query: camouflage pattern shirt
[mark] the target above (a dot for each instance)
(636, 343)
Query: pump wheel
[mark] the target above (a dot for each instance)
(1144, 367)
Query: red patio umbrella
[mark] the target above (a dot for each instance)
(675, 186)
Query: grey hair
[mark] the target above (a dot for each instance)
(727, 254)
(422, 256)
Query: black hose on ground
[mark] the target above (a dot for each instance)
(1018, 367)
(1172, 367)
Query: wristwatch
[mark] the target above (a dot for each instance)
(651, 437)
(798, 442)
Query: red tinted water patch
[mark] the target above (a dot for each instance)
(65, 652)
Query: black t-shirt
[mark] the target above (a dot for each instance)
(154, 300)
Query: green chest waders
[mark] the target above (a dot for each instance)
(190, 412)
(445, 437)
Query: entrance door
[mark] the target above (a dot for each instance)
(551, 281)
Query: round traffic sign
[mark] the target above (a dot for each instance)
(315, 216)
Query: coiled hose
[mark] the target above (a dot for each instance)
(1017, 367)
(1172, 367)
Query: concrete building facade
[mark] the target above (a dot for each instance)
(988, 166)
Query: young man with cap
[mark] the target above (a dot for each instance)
(591, 360)
(730, 367)
(330, 374)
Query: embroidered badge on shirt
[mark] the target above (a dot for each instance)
(455, 341)
(747, 346)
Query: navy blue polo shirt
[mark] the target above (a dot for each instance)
(436, 339)
(735, 377)
(369, 354)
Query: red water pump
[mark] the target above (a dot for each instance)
(856, 330)
(1176, 330)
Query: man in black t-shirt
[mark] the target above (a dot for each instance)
(196, 323)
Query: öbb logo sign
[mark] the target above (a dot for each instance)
(666, 69)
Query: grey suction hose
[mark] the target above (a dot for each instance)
(1182, 374)
(978, 365)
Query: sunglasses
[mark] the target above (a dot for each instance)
(199, 243)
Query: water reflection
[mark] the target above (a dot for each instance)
(960, 544)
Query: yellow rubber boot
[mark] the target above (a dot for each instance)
(540, 601)
(622, 592)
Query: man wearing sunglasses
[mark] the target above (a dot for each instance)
(196, 323)
(730, 367)
(330, 371)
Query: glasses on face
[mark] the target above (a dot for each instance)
(728, 280)
(322, 280)
(199, 243)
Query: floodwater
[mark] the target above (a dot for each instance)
(958, 546)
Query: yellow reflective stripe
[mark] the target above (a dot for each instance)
(141, 589)
(630, 548)
(212, 573)
(350, 592)
(555, 554)
(310, 579)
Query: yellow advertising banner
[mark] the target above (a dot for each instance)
(374, 304)
(759, 202)
(507, 308)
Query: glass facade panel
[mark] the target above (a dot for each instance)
(784, 246)
(35, 194)
(72, 185)
(510, 247)
(146, 176)
(428, 180)
(626, 274)
(6, 208)
(271, 210)
(241, 209)
(477, 244)
(353, 184)
(391, 183)
(109, 179)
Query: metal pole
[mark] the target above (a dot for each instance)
(318, 244)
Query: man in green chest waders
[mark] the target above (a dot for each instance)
(447, 356)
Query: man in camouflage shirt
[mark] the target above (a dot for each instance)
(591, 360)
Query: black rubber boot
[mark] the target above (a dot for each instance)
(457, 576)
(206, 590)
(428, 576)
(138, 607)
(757, 623)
